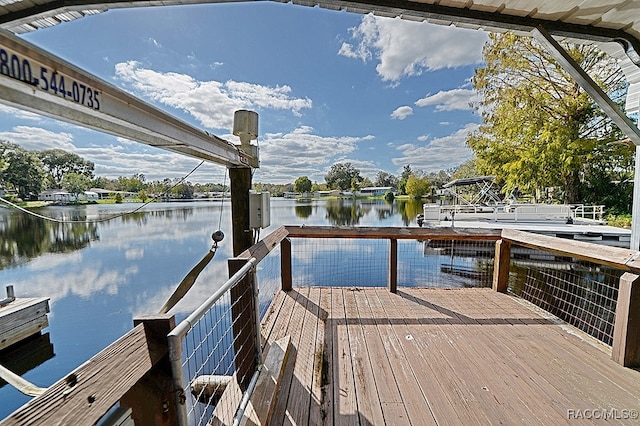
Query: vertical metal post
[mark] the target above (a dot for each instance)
(635, 215)
(175, 358)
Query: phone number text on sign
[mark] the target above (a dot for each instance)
(11, 65)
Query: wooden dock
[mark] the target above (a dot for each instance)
(22, 318)
(434, 356)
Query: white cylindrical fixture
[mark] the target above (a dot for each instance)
(245, 125)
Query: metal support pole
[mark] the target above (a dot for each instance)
(635, 212)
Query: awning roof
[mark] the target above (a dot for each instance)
(599, 20)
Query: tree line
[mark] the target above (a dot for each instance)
(541, 135)
(28, 173)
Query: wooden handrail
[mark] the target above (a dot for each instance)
(397, 233)
(616, 257)
(87, 393)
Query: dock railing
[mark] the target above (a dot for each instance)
(202, 371)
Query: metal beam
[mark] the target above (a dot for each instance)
(35, 80)
(586, 82)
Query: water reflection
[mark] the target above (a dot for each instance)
(27, 354)
(25, 237)
(304, 211)
(100, 276)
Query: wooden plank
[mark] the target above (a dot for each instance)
(437, 346)
(23, 330)
(226, 408)
(398, 233)
(368, 385)
(21, 318)
(502, 397)
(414, 408)
(320, 383)
(263, 398)
(615, 257)
(271, 317)
(297, 412)
(261, 249)
(93, 388)
(294, 328)
(326, 379)
(344, 393)
(445, 401)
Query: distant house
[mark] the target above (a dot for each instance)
(57, 196)
(104, 194)
(290, 194)
(332, 193)
(375, 191)
(89, 196)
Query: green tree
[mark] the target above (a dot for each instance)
(539, 127)
(386, 179)
(417, 187)
(143, 196)
(58, 162)
(76, 183)
(342, 175)
(465, 170)
(22, 170)
(402, 183)
(302, 184)
(366, 182)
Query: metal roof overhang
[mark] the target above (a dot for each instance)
(594, 20)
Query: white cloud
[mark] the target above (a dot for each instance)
(402, 112)
(286, 156)
(407, 48)
(209, 102)
(36, 138)
(450, 100)
(440, 153)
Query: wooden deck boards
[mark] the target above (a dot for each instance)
(434, 356)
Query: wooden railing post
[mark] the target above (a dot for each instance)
(501, 266)
(285, 265)
(243, 316)
(625, 349)
(393, 266)
(151, 398)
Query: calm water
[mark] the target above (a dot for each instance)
(99, 276)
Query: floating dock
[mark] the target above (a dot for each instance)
(21, 318)
(598, 234)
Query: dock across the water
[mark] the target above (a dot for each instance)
(21, 318)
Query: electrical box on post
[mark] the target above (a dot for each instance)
(259, 209)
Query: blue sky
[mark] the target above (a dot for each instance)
(328, 87)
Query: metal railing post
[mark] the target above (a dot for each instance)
(175, 358)
(393, 265)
